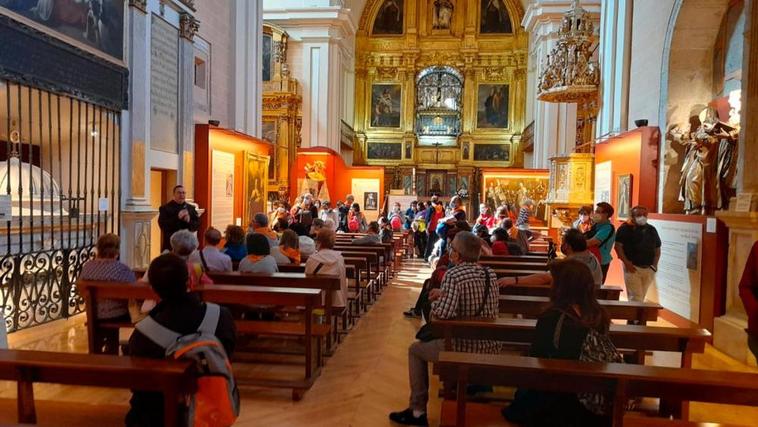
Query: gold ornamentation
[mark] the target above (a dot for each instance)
(570, 73)
(386, 73)
(188, 26)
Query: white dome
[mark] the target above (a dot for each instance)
(36, 183)
(41, 194)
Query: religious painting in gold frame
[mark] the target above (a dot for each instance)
(511, 188)
(493, 106)
(256, 177)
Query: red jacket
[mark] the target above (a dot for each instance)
(749, 290)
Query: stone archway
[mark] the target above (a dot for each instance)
(686, 81)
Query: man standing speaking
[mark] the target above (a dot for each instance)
(177, 215)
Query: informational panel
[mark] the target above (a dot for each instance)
(360, 188)
(603, 173)
(164, 86)
(222, 189)
(678, 277)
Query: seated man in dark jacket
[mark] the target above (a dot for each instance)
(179, 311)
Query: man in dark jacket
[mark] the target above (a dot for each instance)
(749, 295)
(179, 311)
(177, 215)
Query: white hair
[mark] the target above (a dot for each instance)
(183, 243)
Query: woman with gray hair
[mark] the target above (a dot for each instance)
(183, 244)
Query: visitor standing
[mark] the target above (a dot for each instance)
(176, 215)
(639, 248)
(601, 237)
(584, 222)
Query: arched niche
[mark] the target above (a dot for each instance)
(702, 40)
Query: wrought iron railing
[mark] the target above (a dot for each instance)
(59, 191)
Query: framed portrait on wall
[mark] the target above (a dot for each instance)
(623, 196)
(492, 106)
(389, 20)
(371, 201)
(384, 150)
(255, 184)
(495, 18)
(385, 105)
(270, 133)
(492, 152)
(436, 183)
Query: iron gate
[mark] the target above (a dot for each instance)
(59, 182)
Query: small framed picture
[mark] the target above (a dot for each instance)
(624, 196)
(371, 201)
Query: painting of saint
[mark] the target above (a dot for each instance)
(492, 111)
(436, 183)
(443, 14)
(389, 20)
(256, 184)
(266, 58)
(385, 105)
(495, 19)
(270, 134)
(370, 201)
(384, 151)
(624, 200)
(99, 24)
(492, 152)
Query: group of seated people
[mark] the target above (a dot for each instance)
(172, 275)
(461, 287)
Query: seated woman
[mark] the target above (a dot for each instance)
(500, 242)
(328, 261)
(184, 243)
(574, 314)
(235, 243)
(514, 244)
(288, 251)
(107, 267)
(259, 259)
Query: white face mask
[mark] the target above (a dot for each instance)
(583, 218)
(641, 220)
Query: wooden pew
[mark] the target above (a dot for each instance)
(536, 267)
(370, 282)
(174, 378)
(620, 381)
(512, 272)
(382, 274)
(252, 295)
(686, 341)
(604, 292)
(93, 292)
(528, 258)
(326, 283)
(621, 310)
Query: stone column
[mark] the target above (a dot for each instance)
(729, 330)
(554, 124)
(247, 92)
(324, 37)
(188, 27)
(136, 212)
(615, 61)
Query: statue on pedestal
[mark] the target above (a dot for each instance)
(709, 163)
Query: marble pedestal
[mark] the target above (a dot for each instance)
(729, 334)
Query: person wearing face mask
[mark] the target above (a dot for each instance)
(601, 236)
(584, 222)
(639, 248)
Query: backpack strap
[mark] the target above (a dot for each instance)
(318, 268)
(486, 291)
(203, 262)
(157, 333)
(210, 321)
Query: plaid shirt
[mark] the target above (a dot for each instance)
(463, 291)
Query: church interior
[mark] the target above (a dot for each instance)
(516, 212)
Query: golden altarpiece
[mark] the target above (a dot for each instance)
(440, 91)
(281, 110)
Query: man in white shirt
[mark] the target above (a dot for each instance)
(210, 257)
